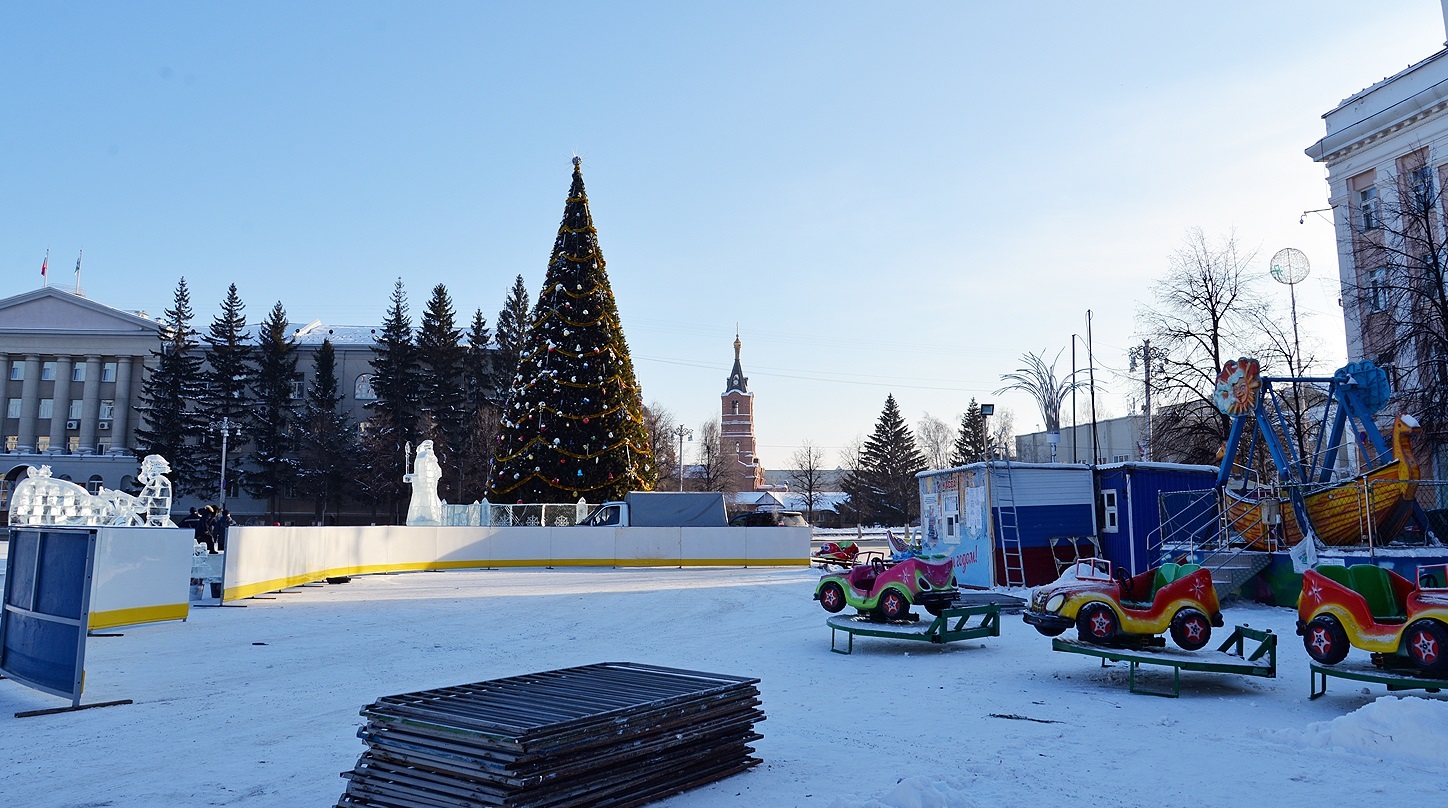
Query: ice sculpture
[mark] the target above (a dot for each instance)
(42, 500)
(425, 507)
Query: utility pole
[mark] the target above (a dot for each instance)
(1091, 375)
(227, 428)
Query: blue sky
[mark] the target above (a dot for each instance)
(899, 197)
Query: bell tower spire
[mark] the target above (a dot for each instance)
(736, 424)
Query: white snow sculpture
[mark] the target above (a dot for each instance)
(42, 500)
(425, 507)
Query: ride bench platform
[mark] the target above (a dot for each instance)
(1397, 680)
(952, 625)
(1230, 657)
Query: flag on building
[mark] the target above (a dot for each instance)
(45, 265)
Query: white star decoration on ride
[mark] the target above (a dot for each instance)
(1100, 624)
(1197, 588)
(1427, 648)
(1320, 641)
(1314, 592)
(1194, 629)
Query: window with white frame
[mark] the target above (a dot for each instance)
(77, 372)
(1109, 518)
(1368, 208)
(17, 372)
(108, 372)
(42, 443)
(1378, 289)
(94, 484)
(108, 409)
(1420, 184)
(299, 387)
(75, 408)
(47, 408)
(12, 408)
(47, 371)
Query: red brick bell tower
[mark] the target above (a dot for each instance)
(736, 426)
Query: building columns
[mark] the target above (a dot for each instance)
(90, 404)
(122, 420)
(29, 405)
(60, 411)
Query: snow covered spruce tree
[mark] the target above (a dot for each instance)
(393, 421)
(275, 413)
(329, 449)
(170, 425)
(441, 393)
(225, 397)
(883, 488)
(573, 422)
(970, 439)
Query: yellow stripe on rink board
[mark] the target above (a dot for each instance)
(139, 614)
(262, 587)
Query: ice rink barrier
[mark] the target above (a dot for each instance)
(265, 559)
(142, 575)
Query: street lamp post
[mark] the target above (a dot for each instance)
(682, 433)
(227, 428)
(986, 411)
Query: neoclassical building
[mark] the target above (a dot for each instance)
(72, 369)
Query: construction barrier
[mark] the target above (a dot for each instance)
(265, 559)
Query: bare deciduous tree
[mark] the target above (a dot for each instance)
(660, 423)
(715, 467)
(936, 439)
(807, 476)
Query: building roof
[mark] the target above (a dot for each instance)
(737, 381)
(51, 309)
(1419, 90)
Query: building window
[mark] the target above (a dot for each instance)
(1420, 183)
(108, 409)
(47, 371)
(12, 408)
(47, 408)
(1368, 208)
(1378, 289)
(75, 408)
(77, 372)
(299, 387)
(108, 372)
(1109, 522)
(1118, 459)
(103, 447)
(4, 493)
(72, 445)
(734, 408)
(94, 484)
(17, 372)
(42, 443)
(362, 390)
(12, 442)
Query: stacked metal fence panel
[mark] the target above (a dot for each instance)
(611, 734)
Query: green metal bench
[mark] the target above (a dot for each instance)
(1366, 672)
(952, 625)
(1230, 657)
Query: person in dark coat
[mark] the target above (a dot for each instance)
(192, 520)
(223, 521)
(207, 529)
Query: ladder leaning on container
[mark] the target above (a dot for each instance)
(1008, 530)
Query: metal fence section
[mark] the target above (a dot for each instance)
(486, 514)
(615, 733)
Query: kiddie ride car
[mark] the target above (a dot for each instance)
(1368, 607)
(840, 553)
(886, 589)
(1121, 609)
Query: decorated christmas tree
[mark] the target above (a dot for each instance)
(573, 422)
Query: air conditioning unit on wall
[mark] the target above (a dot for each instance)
(104, 426)
(72, 424)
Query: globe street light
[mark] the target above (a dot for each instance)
(682, 433)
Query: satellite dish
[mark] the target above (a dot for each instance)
(1289, 266)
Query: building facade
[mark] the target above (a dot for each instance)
(1118, 440)
(71, 373)
(1386, 155)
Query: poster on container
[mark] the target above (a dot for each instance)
(955, 524)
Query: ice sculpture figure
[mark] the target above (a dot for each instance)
(425, 507)
(42, 500)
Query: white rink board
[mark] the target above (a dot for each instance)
(142, 575)
(265, 559)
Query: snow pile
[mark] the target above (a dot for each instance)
(1407, 729)
(916, 792)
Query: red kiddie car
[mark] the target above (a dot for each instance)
(1379, 611)
(1109, 609)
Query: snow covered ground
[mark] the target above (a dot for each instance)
(258, 706)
